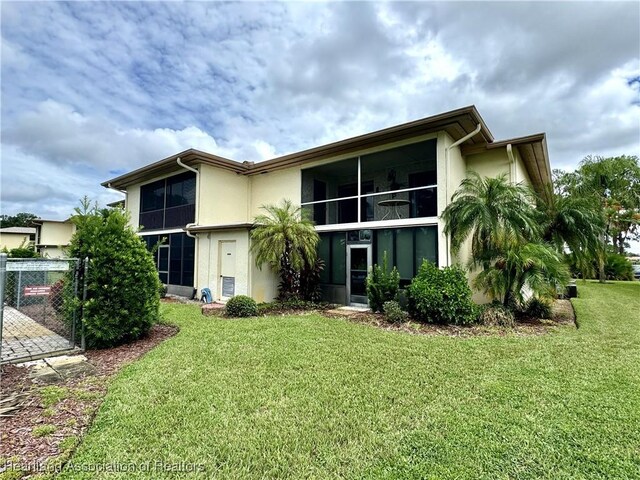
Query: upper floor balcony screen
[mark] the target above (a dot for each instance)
(389, 185)
(168, 203)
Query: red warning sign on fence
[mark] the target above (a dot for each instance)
(36, 290)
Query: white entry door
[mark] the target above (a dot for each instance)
(227, 283)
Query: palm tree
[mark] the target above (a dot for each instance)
(534, 266)
(488, 209)
(286, 240)
(569, 220)
(505, 238)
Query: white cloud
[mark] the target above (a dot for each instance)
(92, 88)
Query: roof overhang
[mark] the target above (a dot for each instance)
(168, 165)
(457, 123)
(532, 150)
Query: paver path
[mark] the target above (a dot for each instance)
(25, 339)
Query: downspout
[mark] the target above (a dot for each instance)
(446, 169)
(189, 225)
(512, 163)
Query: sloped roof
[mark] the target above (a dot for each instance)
(457, 123)
(21, 230)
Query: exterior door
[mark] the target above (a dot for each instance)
(358, 263)
(227, 284)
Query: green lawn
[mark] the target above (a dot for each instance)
(311, 397)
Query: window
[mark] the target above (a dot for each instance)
(174, 258)
(169, 202)
(406, 249)
(393, 184)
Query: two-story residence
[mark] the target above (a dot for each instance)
(383, 191)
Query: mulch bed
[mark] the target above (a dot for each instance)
(67, 417)
(563, 314)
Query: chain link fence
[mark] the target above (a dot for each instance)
(39, 307)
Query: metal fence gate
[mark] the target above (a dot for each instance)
(39, 308)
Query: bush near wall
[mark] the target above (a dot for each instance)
(382, 285)
(441, 296)
(122, 285)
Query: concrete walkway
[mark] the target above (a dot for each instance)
(25, 339)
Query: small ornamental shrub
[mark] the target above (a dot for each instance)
(162, 290)
(382, 285)
(441, 296)
(122, 282)
(241, 306)
(496, 314)
(394, 313)
(538, 308)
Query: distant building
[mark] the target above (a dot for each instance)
(16, 237)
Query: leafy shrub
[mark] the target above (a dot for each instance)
(538, 308)
(496, 314)
(241, 306)
(394, 313)
(382, 285)
(310, 280)
(162, 290)
(618, 267)
(22, 252)
(441, 296)
(122, 285)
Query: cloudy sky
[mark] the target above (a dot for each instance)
(91, 90)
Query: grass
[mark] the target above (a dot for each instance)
(311, 397)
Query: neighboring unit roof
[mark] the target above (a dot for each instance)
(457, 123)
(21, 230)
(40, 221)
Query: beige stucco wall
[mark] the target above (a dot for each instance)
(223, 196)
(55, 233)
(14, 240)
(208, 257)
(272, 187)
(264, 283)
(132, 204)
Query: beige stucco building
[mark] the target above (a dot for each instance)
(16, 237)
(53, 237)
(379, 192)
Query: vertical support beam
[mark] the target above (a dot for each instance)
(3, 282)
(84, 300)
(74, 316)
(19, 289)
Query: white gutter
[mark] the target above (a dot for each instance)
(197, 172)
(512, 163)
(121, 191)
(446, 169)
